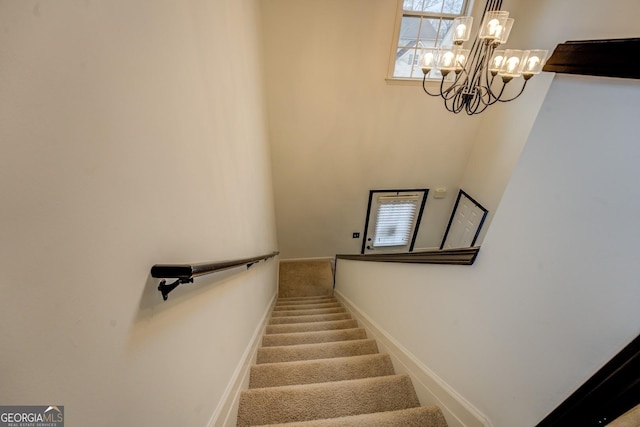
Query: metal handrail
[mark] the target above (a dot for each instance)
(184, 273)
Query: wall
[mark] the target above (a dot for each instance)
(554, 292)
(132, 133)
(504, 128)
(338, 130)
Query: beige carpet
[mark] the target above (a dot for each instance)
(317, 368)
(305, 278)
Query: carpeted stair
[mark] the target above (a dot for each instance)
(317, 368)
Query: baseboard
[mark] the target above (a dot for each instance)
(225, 414)
(431, 389)
(322, 258)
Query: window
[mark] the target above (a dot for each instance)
(421, 23)
(393, 219)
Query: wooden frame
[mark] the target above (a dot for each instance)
(606, 58)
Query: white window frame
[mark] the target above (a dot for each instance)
(379, 197)
(400, 13)
(399, 213)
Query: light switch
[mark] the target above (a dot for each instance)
(440, 193)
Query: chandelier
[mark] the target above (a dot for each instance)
(481, 73)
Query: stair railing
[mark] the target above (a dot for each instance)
(460, 256)
(184, 273)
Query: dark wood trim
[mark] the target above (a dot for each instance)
(463, 256)
(453, 212)
(366, 222)
(609, 393)
(606, 58)
(415, 231)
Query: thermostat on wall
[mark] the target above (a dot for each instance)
(440, 193)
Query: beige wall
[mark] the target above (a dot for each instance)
(131, 133)
(553, 294)
(338, 130)
(334, 121)
(505, 127)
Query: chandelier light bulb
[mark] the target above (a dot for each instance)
(461, 59)
(534, 62)
(462, 29)
(496, 61)
(493, 24)
(429, 59)
(513, 64)
(447, 60)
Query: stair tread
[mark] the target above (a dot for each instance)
(326, 350)
(326, 400)
(312, 326)
(309, 318)
(320, 370)
(422, 416)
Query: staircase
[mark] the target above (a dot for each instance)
(317, 368)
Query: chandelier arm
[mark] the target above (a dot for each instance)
(461, 102)
(444, 93)
(519, 93)
(424, 87)
(492, 95)
(455, 102)
(449, 108)
(484, 107)
(489, 81)
(496, 98)
(452, 92)
(477, 101)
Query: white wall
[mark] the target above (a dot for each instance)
(504, 127)
(554, 292)
(132, 133)
(338, 130)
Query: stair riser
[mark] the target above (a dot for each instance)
(316, 351)
(313, 337)
(306, 306)
(424, 416)
(312, 318)
(312, 326)
(308, 312)
(306, 299)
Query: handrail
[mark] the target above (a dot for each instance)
(184, 273)
(460, 256)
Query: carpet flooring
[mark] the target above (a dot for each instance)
(317, 368)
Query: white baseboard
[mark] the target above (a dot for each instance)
(431, 389)
(226, 413)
